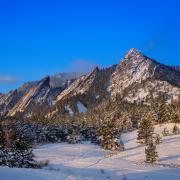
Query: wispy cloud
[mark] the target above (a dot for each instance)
(8, 79)
(81, 65)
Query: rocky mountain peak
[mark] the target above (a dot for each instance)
(133, 52)
(95, 70)
(140, 78)
(45, 81)
(133, 60)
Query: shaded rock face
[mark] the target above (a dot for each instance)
(165, 73)
(136, 78)
(86, 91)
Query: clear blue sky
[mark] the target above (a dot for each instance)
(40, 37)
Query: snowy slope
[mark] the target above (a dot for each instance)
(81, 107)
(169, 150)
(87, 161)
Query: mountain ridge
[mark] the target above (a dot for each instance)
(137, 78)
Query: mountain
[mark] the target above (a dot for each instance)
(85, 92)
(137, 78)
(34, 95)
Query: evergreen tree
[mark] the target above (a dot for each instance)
(75, 135)
(175, 112)
(150, 151)
(176, 130)
(2, 140)
(108, 134)
(158, 139)
(176, 115)
(126, 122)
(145, 129)
(108, 131)
(164, 113)
(17, 150)
(165, 132)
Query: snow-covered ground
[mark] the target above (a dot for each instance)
(88, 161)
(169, 150)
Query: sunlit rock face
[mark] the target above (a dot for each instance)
(137, 78)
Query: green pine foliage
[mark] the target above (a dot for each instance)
(146, 128)
(150, 151)
(175, 113)
(2, 139)
(108, 134)
(164, 113)
(158, 139)
(176, 130)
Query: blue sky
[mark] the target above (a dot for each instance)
(40, 37)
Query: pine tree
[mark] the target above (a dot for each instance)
(126, 122)
(145, 129)
(158, 139)
(2, 139)
(108, 134)
(165, 132)
(108, 131)
(74, 136)
(150, 151)
(164, 113)
(175, 112)
(17, 150)
(176, 130)
(22, 142)
(176, 115)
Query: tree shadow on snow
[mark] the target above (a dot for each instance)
(122, 174)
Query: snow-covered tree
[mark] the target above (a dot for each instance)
(165, 132)
(176, 130)
(146, 128)
(17, 149)
(108, 128)
(2, 140)
(150, 151)
(74, 137)
(108, 134)
(74, 134)
(164, 113)
(175, 112)
(158, 139)
(126, 122)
